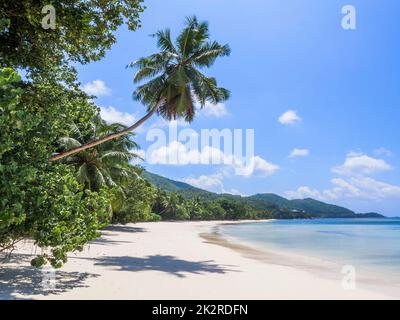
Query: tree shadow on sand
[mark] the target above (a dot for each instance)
(26, 280)
(168, 264)
(124, 228)
(104, 241)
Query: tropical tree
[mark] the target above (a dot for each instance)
(106, 165)
(84, 29)
(138, 202)
(42, 200)
(195, 208)
(175, 81)
(170, 206)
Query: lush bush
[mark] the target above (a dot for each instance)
(137, 201)
(84, 30)
(39, 199)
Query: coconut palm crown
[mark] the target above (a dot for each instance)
(106, 164)
(175, 84)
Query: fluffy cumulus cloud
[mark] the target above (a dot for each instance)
(358, 163)
(303, 192)
(112, 115)
(299, 153)
(208, 182)
(257, 165)
(97, 88)
(177, 153)
(354, 181)
(289, 117)
(213, 182)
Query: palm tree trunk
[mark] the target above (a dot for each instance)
(106, 138)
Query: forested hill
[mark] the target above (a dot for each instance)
(282, 207)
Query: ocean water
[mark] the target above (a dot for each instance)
(370, 245)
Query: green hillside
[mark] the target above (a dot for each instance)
(272, 199)
(277, 206)
(311, 206)
(165, 183)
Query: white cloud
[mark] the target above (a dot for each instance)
(359, 188)
(256, 166)
(355, 183)
(358, 163)
(206, 182)
(212, 182)
(97, 88)
(177, 153)
(376, 189)
(299, 153)
(214, 110)
(289, 117)
(383, 152)
(235, 192)
(343, 185)
(112, 115)
(303, 192)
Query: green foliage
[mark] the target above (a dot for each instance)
(38, 199)
(205, 205)
(301, 207)
(84, 30)
(175, 82)
(106, 165)
(165, 183)
(63, 216)
(139, 196)
(173, 207)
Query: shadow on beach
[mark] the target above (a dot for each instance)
(25, 280)
(112, 231)
(124, 228)
(104, 241)
(168, 264)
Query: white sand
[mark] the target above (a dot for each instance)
(169, 260)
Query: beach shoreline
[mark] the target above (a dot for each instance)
(174, 260)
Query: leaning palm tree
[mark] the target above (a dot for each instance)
(106, 164)
(175, 83)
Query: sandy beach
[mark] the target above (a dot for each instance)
(175, 260)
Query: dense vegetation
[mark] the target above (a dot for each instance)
(61, 205)
(49, 202)
(266, 205)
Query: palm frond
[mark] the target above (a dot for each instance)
(164, 41)
(118, 156)
(69, 142)
(208, 53)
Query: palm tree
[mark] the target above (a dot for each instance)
(106, 164)
(174, 207)
(175, 83)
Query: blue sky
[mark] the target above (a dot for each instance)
(286, 55)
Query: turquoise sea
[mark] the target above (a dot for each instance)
(370, 245)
